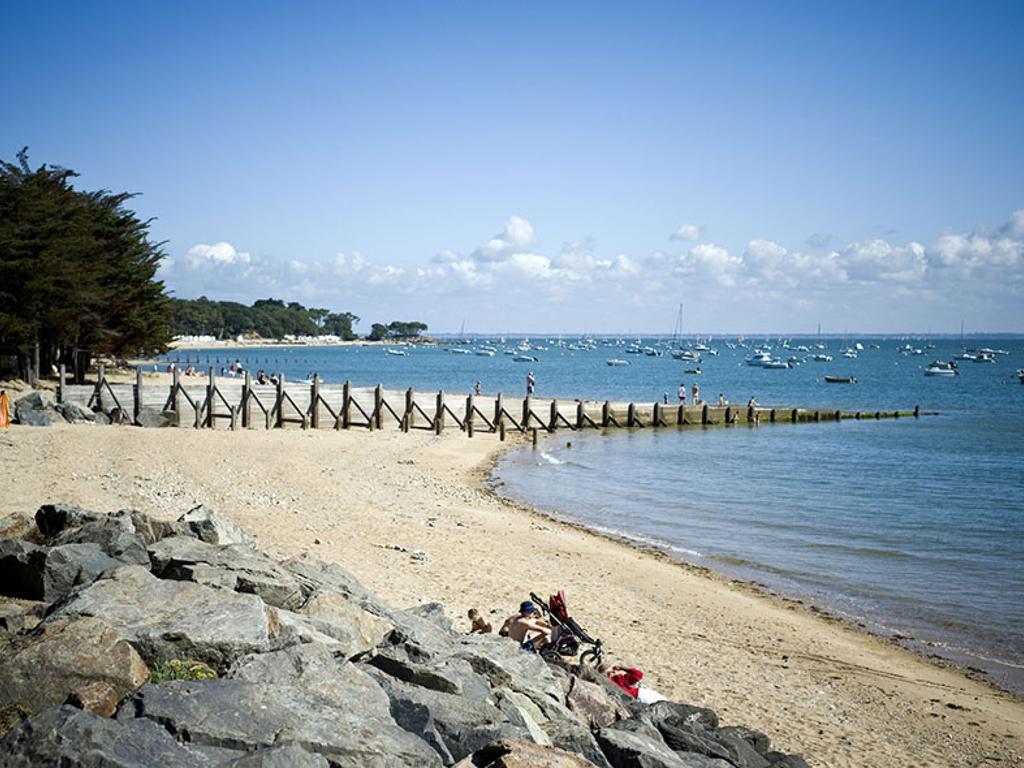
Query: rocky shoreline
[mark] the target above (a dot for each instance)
(127, 641)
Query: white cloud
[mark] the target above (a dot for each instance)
(877, 260)
(218, 253)
(516, 237)
(687, 232)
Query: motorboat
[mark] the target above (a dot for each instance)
(759, 359)
(686, 355)
(652, 352)
(850, 354)
(939, 368)
(457, 351)
(485, 352)
(823, 358)
(525, 359)
(984, 357)
(395, 352)
(840, 380)
(694, 371)
(616, 362)
(775, 363)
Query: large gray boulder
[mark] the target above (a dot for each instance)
(594, 704)
(315, 576)
(352, 626)
(454, 726)
(115, 535)
(642, 749)
(84, 657)
(214, 528)
(68, 737)
(73, 413)
(152, 418)
(17, 615)
(69, 565)
(51, 519)
(20, 575)
(284, 756)
(517, 753)
(236, 567)
(34, 410)
(174, 619)
(241, 715)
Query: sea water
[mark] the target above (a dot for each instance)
(911, 528)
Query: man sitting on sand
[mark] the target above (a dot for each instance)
(480, 627)
(527, 628)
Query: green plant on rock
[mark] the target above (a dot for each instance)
(178, 669)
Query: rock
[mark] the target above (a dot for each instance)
(594, 704)
(20, 575)
(452, 725)
(506, 666)
(69, 565)
(759, 741)
(625, 749)
(355, 628)
(34, 410)
(175, 619)
(576, 738)
(780, 760)
(432, 612)
(151, 417)
(353, 730)
(20, 615)
(214, 528)
(516, 753)
(237, 567)
(691, 737)
(150, 530)
(522, 711)
(73, 413)
(68, 657)
(118, 416)
(101, 418)
(285, 756)
(52, 519)
(19, 525)
(115, 535)
(741, 751)
(681, 714)
(70, 738)
(314, 576)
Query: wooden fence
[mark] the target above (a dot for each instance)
(239, 403)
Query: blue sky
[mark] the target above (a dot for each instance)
(585, 167)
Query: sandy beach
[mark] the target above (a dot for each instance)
(837, 696)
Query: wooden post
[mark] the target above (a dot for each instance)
(630, 415)
(346, 400)
(279, 399)
(234, 417)
(680, 415)
(704, 419)
(817, 416)
(795, 416)
(499, 409)
(728, 414)
(439, 413)
(553, 416)
(501, 429)
(533, 432)
(857, 416)
(750, 414)
(175, 397)
(917, 411)
(245, 405)
(60, 384)
(314, 402)
(656, 418)
(839, 416)
(137, 395)
(377, 420)
(895, 414)
(210, 386)
(771, 415)
(579, 414)
(101, 376)
(878, 414)
(526, 411)
(469, 415)
(606, 414)
(409, 398)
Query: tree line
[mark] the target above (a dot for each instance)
(78, 276)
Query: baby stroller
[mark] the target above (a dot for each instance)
(566, 634)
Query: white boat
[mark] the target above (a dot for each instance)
(775, 363)
(395, 352)
(939, 368)
(616, 361)
(686, 355)
(823, 358)
(850, 354)
(524, 359)
(652, 352)
(485, 353)
(458, 351)
(1020, 375)
(984, 357)
(759, 359)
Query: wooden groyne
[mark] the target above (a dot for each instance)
(239, 403)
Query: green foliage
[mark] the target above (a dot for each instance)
(77, 271)
(396, 330)
(268, 318)
(177, 669)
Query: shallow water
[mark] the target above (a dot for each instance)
(912, 527)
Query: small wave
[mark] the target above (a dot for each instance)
(550, 459)
(646, 541)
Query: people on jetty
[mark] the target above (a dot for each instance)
(696, 394)
(752, 402)
(479, 625)
(721, 399)
(527, 628)
(682, 394)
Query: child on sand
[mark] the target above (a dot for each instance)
(479, 627)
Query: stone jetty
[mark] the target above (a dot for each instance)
(129, 641)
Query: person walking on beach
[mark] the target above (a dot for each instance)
(476, 388)
(531, 382)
